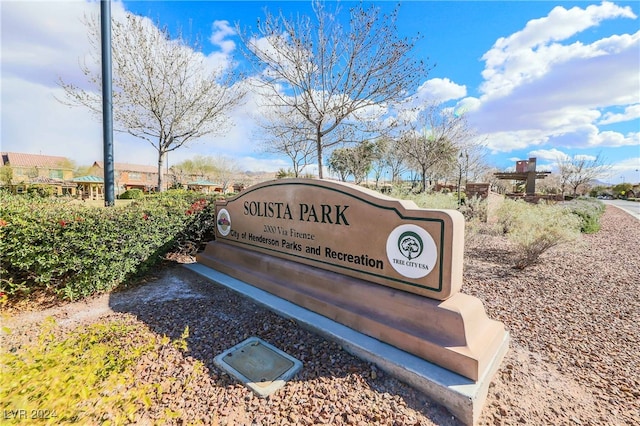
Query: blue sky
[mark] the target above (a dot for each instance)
(537, 78)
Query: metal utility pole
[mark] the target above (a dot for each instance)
(107, 104)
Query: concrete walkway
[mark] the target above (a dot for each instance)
(630, 207)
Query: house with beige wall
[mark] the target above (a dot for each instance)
(129, 176)
(22, 171)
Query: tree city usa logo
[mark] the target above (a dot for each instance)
(411, 251)
(410, 245)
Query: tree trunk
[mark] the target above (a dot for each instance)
(319, 149)
(424, 180)
(161, 159)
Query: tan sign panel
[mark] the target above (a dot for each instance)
(350, 230)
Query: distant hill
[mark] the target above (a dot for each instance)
(597, 182)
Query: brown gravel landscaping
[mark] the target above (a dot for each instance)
(574, 320)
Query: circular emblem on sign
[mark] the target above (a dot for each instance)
(223, 222)
(410, 245)
(411, 251)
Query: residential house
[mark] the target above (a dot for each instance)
(22, 171)
(130, 176)
(28, 170)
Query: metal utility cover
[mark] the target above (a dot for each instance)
(260, 366)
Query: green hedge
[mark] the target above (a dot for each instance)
(132, 194)
(77, 250)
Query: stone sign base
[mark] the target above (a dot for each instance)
(463, 397)
(455, 333)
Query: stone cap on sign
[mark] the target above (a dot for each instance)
(350, 230)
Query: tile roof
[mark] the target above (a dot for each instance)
(50, 181)
(88, 179)
(124, 167)
(17, 159)
(202, 182)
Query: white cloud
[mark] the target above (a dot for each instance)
(625, 171)
(52, 128)
(468, 104)
(549, 154)
(251, 163)
(584, 157)
(557, 94)
(539, 94)
(613, 139)
(439, 90)
(222, 30)
(221, 60)
(632, 112)
(529, 53)
(42, 41)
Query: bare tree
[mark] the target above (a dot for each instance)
(580, 170)
(436, 147)
(287, 134)
(378, 161)
(396, 159)
(472, 155)
(332, 76)
(225, 170)
(162, 90)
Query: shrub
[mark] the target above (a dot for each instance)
(40, 190)
(73, 378)
(132, 194)
(589, 211)
(535, 228)
(200, 219)
(76, 250)
(85, 377)
(475, 209)
(426, 200)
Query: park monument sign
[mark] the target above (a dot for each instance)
(378, 265)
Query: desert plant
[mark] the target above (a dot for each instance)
(85, 376)
(72, 377)
(535, 228)
(589, 211)
(434, 200)
(474, 209)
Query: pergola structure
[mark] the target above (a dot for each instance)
(205, 186)
(525, 172)
(91, 187)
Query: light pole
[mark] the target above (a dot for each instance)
(107, 103)
(466, 169)
(459, 175)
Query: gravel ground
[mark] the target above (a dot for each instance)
(574, 359)
(575, 326)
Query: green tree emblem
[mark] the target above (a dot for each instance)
(410, 245)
